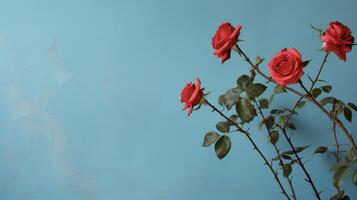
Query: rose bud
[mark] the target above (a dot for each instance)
(191, 95)
(224, 39)
(337, 38)
(286, 67)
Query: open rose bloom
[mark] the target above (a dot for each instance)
(224, 39)
(286, 67)
(191, 95)
(338, 39)
(248, 97)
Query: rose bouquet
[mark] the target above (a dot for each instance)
(286, 68)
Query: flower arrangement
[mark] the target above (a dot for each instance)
(286, 68)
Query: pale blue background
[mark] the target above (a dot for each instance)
(90, 97)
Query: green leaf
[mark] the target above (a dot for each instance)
(210, 138)
(354, 177)
(273, 137)
(316, 92)
(301, 104)
(234, 118)
(291, 126)
(269, 121)
(300, 149)
(338, 196)
(279, 89)
(230, 98)
(326, 88)
(351, 156)
(286, 157)
(352, 106)
(283, 118)
(275, 111)
(222, 146)
(275, 158)
(340, 103)
(245, 110)
(243, 81)
(255, 90)
(297, 149)
(347, 113)
(293, 161)
(258, 60)
(222, 100)
(327, 100)
(305, 63)
(346, 198)
(287, 169)
(340, 175)
(223, 126)
(321, 149)
(263, 103)
(339, 164)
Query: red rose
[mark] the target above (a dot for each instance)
(224, 39)
(286, 67)
(191, 95)
(338, 38)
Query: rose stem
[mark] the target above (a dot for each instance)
(283, 128)
(287, 121)
(335, 138)
(308, 97)
(253, 66)
(319, 72)
(334, 119)
(255, 147)
(311, 87)
(334, 134)
(301, 164)
(277, 151)
(309, 179)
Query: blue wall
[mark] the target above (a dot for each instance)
(90, 90)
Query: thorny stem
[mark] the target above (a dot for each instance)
(334, 119)
(246, 133)
(334, 134)
(301, 164)
(319, 72)
(308, 177)
(255, 67)
(307, 97)
(311, 87)
(335, 138)
(291, 113)
(293, 110)
(277, 151)
(333, 107)
(299, 161)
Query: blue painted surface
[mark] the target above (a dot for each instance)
(89, 97)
